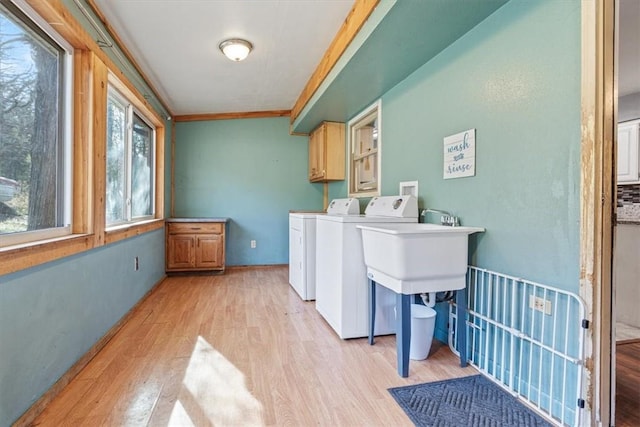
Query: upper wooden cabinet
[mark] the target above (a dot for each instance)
(327, 152)
(628, 152)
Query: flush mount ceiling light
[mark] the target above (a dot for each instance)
(236, 49)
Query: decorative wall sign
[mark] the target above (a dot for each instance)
(460, 155)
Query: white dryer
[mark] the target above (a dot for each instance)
(302, 245)
(342, 290)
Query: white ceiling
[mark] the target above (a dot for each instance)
(175, 43)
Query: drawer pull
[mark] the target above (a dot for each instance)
(195, 228)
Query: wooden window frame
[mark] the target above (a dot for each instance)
(93, 71)
(41, 30)
(373, 110)
(131, 102)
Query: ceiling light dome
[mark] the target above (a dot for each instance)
(236, 49)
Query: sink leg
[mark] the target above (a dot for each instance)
(372, 309)
(403, 332)
(461, 325)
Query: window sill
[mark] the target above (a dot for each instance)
(124, 231)
(25, 255)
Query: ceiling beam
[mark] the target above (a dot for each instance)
(114, 35)
(358, 15)
(60, 18)
(231, 116)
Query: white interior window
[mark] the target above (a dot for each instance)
(364, 152)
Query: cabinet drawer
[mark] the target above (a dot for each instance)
(195, 227)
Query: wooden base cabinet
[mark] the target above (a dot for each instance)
(195, 246)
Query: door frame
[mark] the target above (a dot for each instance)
(597, 200)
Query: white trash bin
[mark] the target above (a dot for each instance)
(423, 322)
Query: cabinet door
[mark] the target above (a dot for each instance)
(327, 153)
(209, 251)
(313, 156)
(316, 154)
(296, 252)
(180, 251)
(334, 152)
(628, 152)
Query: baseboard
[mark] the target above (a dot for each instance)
(39, 405)
(243, 267)
(628, 341)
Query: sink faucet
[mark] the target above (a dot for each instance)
(445, 217)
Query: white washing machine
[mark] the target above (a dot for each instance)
(302, 245)
(342, 290)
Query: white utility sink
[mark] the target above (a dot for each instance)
(416, 258)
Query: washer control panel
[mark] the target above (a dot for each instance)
(348, 206)
(405, 206)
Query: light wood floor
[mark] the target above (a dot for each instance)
(628, 384)
(239, 349)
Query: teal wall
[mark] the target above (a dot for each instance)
(52, 314)
(250, 170)
(515, 78)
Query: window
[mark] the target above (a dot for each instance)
(35, 137)
(50, 202)
(364, 152)
(130, 176)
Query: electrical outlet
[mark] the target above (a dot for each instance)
(136, 264)
(540, 304)
(253, 244)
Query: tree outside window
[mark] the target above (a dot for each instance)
(32, 178)
(130, 163)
